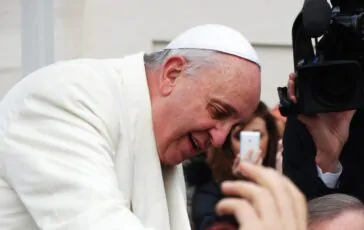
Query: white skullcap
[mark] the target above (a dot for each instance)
(218, 38)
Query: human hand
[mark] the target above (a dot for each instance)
(247, 157)
(329, 131)
(269, 202)
(279, 157)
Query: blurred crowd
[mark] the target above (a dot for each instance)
(205, 173)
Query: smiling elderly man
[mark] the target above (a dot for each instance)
(96, 144)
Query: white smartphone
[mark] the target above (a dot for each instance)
(249, 140)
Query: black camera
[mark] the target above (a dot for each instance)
(328, 53)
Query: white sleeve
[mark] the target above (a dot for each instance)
(330, 179)
(57, 155)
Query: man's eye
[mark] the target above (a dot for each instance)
(218, 112)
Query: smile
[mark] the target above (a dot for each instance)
(194, 142)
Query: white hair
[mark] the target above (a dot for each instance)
(196, 58)
(330, 206)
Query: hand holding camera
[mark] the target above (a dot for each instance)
(328, 60)
(249, 156)
(329, 131)
(270, 200)
(249, 150)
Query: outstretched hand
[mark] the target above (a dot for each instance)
(269, 202)
(249, 156)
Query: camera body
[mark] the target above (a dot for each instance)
(329, 72)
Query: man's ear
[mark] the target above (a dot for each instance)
(171, 70)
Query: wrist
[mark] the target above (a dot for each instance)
(326, 162)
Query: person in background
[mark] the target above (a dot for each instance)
(196, 172)
(97, 144)
(264, 123)
(281, 124)
(335, 212)
(323, 154)
(222, 164)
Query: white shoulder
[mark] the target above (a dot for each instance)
(78, 88)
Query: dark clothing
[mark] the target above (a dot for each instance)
(203, 206)
(300, 166)
(206, 195)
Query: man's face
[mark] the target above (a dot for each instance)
(193, 113)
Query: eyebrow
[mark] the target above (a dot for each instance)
(227, 106)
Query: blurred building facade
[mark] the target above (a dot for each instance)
(114, 28)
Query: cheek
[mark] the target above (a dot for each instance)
(192, 119)
(235, 145)
(264, 144)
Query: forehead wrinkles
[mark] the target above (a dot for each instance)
(239, 78)
(233, 79)
(241, 86)
(240, 70)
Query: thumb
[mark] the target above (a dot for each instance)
(350, 114)
(305, 120)
(259, 159)
(236, 160)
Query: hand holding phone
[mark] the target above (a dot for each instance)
(249, 141)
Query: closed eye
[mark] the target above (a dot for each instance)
(220, 110)
(217, 112)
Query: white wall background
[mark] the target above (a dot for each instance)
(114, 28)
(10, 59)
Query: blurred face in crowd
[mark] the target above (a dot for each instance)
(353, 220)
(194, 110)
(256, 124)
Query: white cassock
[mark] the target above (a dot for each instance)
(77, 151)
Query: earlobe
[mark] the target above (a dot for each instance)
(171, 71)
(166, 89)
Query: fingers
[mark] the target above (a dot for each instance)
(279, 161)
(350, 114)
(272, 203)
(235, 168)
(259, 161)
(259, 158)
(252, 157)
(276, 185)
(248, 156)
(308, 121)
(299, 204)
(335, 117)
(291, 88)
(260, 198)
(236, 161)
(242, 210)
(280, 144)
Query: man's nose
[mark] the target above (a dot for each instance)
(219, 134)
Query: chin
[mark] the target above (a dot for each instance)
(164, 163)
(170, 162)
(171, 159)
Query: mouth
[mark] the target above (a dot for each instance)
(194, 143)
